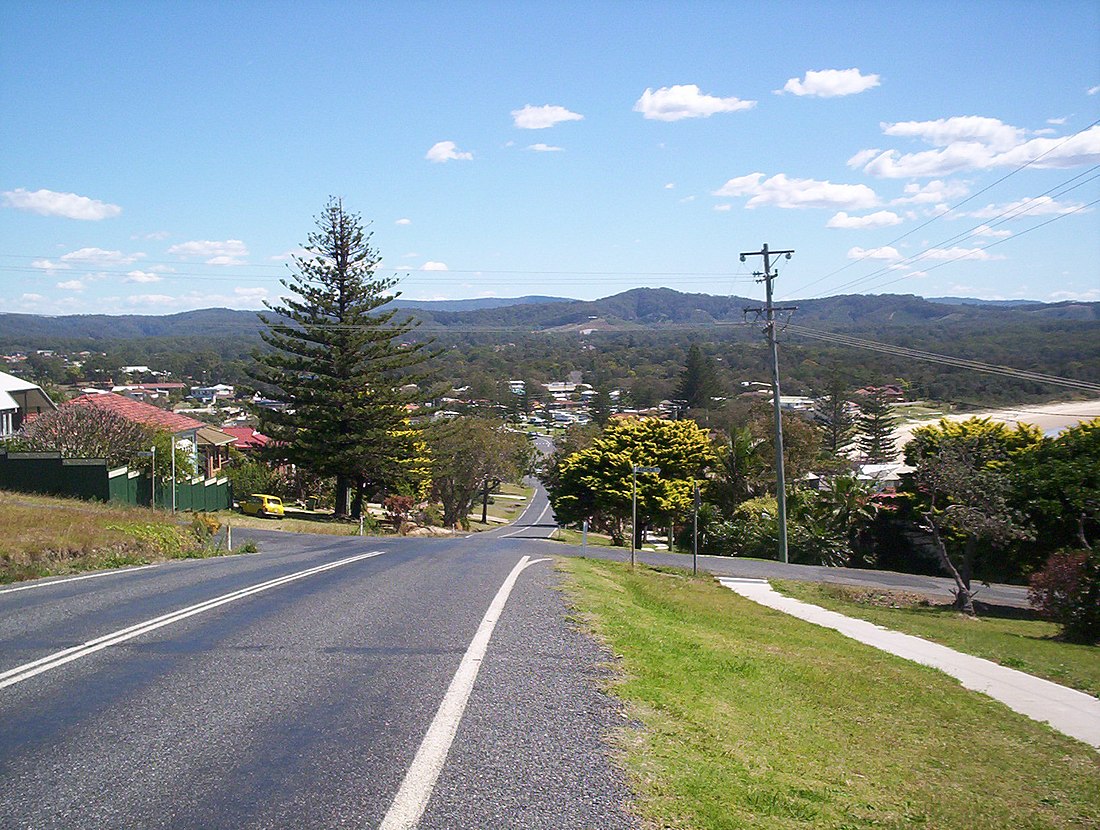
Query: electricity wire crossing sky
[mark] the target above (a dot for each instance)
(171, 156)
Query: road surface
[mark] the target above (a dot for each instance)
(295, 688)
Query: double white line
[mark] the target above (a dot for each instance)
(60, 658)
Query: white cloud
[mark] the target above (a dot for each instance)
(227, 252)
(142, 276)
(885, 252)
(403, 221)
(1037, 206)
(443, 151)
(831, 83)
(434, 266)
(1057, 121)
(673, 103)
(976, 143)
(31, 298)
(741, 185)
(781, 191)
(1092, 90)
(48, 266)
(250, 293)
(539, 118)
(98, 256)
(67, 205)
(723, 207)
(670, 186)
(952, 254)
(156, 235)
(990, 233)
(71, 285)
(149, 300)
(944, 132)
(935, 192)
(686, 199)
(545, 148)
(1092, 295)
(878, 219)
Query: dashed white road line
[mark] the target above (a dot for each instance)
(60, 658)
(412, 797)
(118, 572)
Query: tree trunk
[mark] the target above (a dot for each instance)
(340, 509)
(964, 600)
(357, 500)
(1081, 532)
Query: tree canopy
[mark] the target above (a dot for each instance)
(596, 482)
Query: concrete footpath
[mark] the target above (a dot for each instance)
(1069, 711)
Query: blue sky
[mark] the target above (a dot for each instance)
(164, 156)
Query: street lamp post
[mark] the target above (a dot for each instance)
(634, 470)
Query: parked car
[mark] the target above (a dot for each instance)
(261, 504)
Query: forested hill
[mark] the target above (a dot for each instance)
(640, 307)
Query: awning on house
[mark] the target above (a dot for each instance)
(212, 437)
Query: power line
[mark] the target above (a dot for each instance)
(950, 210)
(945, 360)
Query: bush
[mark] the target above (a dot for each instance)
(397, 510)
(1067, 591)
(204, 526)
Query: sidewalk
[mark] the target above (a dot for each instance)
(1069, 711)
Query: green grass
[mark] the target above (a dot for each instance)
(45, 536)
(1025, 643)
(753, 719)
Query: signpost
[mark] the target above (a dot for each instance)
(634, 505)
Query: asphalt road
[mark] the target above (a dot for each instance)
(303, 703)
(296, 687)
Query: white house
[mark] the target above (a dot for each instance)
(20, 400)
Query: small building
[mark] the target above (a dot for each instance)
(207, 446)
(20, 401)
(210, 394)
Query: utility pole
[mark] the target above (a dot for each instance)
(768, 311)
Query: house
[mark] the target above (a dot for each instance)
(210, 394)
(20, 401)
(207, 446)
(246, 438)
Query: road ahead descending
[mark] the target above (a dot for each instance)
(294, 688)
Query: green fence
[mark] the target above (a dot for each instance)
(88, 478)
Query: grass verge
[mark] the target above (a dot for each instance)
(45, 536)
(1021, 641)
(294, 522)
(756, 719)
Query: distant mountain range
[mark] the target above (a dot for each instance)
(640, 307)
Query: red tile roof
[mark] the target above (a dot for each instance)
(247, 437)
(142, 413)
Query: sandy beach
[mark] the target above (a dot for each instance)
(1051, 418)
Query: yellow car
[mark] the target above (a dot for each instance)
(261, 504)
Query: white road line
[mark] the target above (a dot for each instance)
(538, 521)
(60, 658)
(75, 578)
(412, 797)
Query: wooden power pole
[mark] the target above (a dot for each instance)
(768, 311)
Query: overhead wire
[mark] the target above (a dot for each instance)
(945, 360)
(1016, 212)
(947, 212)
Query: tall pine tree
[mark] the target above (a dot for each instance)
(336, 364)
(832, 411)
(876, 429)
(699, 380)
